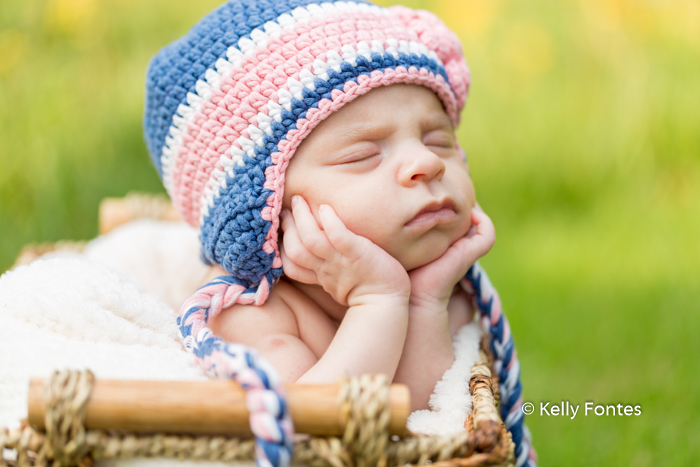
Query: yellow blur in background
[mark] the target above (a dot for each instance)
(583, 135)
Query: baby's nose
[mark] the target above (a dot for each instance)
(421, 164)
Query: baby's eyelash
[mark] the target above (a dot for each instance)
(363, 159)
(442, 144)
(439, 140)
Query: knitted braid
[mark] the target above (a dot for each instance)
(226, 107)
(494, 323)
(226, 102)
(270, 421)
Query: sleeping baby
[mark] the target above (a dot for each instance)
(378, 227)
(312, 143)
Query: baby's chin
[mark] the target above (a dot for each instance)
(431, 245)
(420, 255)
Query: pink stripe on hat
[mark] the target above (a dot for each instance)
(274, 175)
(239, 98)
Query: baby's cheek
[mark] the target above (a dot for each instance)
(460, 229)
(378, 230)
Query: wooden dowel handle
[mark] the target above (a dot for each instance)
(209, 407)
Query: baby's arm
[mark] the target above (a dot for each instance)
(369, 339)
(356, 273)
(428, 351)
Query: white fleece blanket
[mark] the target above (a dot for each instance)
(112, 309)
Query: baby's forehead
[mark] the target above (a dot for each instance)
(382, 114)
(371, 118)
(378, 128)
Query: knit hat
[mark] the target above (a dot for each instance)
(226, 107)
(228, 104)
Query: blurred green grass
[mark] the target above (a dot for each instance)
(583, 135)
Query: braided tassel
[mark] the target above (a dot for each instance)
(270, 421)
(506, 366)
(269, 416)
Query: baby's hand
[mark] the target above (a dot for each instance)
(432, 284)
(349, 267)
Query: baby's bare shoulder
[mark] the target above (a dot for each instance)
(287, 316)
(250, 324)
(272, 329)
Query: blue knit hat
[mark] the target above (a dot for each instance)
(226, 107)
(228, 104)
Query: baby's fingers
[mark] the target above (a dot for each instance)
(482, 234)
(296, 272)
(342, 239)
(484, 225)
(311, 235)
(295, 249)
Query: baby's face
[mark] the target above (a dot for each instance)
(378, 161)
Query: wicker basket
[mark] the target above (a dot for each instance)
(365, 442)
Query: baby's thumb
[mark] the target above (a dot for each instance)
(484, 225)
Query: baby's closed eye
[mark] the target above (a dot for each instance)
(363, 159)
(440, 139)
(359, 153)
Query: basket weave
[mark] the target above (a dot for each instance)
(365, 443)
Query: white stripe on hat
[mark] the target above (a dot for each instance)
(246, 46)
